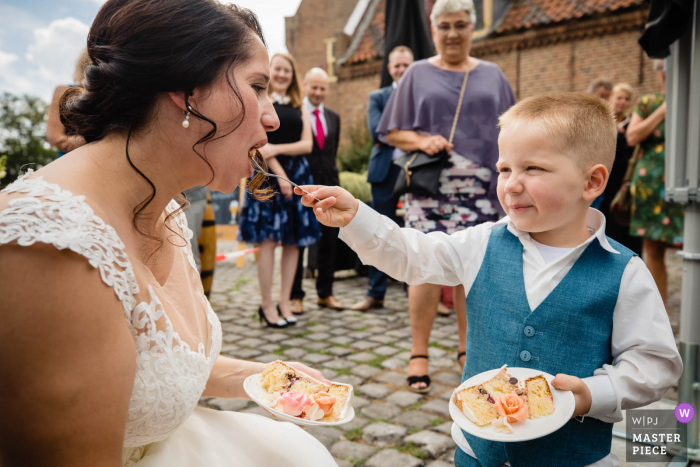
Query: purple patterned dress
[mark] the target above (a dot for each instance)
(426, 101)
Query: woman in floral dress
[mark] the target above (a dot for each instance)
(658, 222)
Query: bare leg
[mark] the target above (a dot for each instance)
(266, 266)
(290, 257)
(655, 259)
(422, 307)
(460, 302)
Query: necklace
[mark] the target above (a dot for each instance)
(283, 100)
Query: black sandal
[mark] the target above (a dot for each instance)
(419, 379)
(460, 354)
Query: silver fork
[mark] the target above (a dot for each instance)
(260, 170)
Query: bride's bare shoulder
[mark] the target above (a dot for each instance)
(69, 354)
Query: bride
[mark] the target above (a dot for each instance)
(107, 339)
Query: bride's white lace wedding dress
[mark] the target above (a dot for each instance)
(177, 338)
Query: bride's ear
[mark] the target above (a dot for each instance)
(179, 99)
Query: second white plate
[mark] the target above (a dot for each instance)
(251, 386)
(564, 405)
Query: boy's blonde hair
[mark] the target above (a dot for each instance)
(584, 124)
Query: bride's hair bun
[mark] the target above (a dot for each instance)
(139, 49)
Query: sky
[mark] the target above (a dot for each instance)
(40, 40)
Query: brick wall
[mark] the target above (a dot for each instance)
(314, 21)
(352, 96)
(571, 66)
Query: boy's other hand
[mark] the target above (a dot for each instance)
(336, 208)
(582, 395)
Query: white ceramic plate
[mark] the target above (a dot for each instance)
(564, 405)
(251, 386)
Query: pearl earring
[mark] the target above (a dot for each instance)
(186, 121)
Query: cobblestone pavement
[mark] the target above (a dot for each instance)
(392, 426)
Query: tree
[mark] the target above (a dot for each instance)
(23, 135)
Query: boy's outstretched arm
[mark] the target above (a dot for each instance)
(407, 255)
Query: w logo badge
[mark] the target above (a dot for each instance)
(685, 412)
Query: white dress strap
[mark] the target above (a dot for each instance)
(49, 214)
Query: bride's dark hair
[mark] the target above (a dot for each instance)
(140, 49)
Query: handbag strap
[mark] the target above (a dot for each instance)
(459, 106)
(452, 132)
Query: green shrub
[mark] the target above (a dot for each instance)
(357, 185)
(354, 156)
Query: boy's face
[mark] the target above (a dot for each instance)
(539, 186)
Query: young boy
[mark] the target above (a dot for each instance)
(545, 288)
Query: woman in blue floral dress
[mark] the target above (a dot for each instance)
(659, 223)
(282, 219)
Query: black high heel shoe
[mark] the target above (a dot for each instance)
(290, 321)
(279, 324)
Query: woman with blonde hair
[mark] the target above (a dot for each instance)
(620, 100)
(282, 220)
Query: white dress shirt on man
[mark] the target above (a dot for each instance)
(321, 115)
(646, 361)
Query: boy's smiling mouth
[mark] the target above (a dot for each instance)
(520, 207)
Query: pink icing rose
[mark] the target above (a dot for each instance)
(324, 400)
(641, 231)
(642, 171)
(666, 220)
(293, 403)
(512, 407)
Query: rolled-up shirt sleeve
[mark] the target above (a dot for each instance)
(412, 256)
(646, 361)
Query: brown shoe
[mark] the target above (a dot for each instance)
(297, 306)
(330, 302)
(367, 303)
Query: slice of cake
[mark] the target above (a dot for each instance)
(298, 394)
(539, 397)
(280, 377)
(475, 406)
(343, 397)
(477, 402)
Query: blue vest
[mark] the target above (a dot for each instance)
(569, 332)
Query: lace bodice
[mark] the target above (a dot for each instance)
(170, 376)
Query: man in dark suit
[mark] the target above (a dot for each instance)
(381, 172)
(326, 129)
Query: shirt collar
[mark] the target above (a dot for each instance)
(595, 221)
(394, 84)
(312, 107)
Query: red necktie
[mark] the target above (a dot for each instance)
(320, 135)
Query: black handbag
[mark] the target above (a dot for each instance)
(421, 172)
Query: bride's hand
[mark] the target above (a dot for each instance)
(336, 208)
(309, 371)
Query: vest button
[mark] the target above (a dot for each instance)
(529, 331)
(525, 356)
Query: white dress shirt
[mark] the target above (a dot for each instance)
(321, 116)
(645, 358)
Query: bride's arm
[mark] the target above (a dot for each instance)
(68, 361)
(227, 376)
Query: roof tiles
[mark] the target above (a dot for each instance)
(523, 14)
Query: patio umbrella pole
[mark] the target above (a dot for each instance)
(682, 175)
